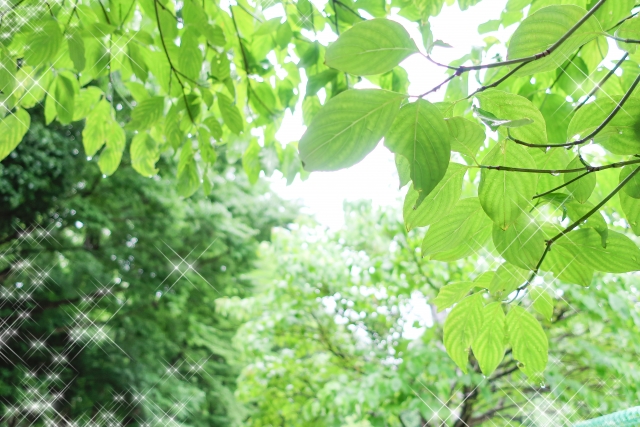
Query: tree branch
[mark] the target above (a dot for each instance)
(561, 171)
(603, 81)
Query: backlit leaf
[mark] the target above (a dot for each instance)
(489, 345)
(461, 328)
(528, 341)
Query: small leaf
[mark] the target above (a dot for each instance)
(230, 114)
(528, 341)
(582, 188)
(188, 177)
(461, 328)
(421, 135)
(488, 347)
(404, 170)
(451, 294)
(507, 279)
(438, 203)
(94, 133)
(111, 156)
(85, 101)
(370, 47)
(522, 244)
(347, 128)
(251, 161)
(146, 113)
(631, 188)
(64, 93)
(144, 154)
(13, 128)
(542, 302)
(76, 50)
(506, 195)
(518, 110)
(631, 209)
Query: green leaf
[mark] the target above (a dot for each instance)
(620, 256)
(144, 154)
(621, 135)
(545, 27)
(542, 302)
(438, 203)
(146, 113)
(207, 152)
(111, 156)
(631, 188)
(190, 56)
(268, 27)
(488, 347)
(347, 128)
(629, 30)
(631, 209)
(138, 61)
(370, 47)
(581, 189)
(528, 341)
(421, 135)
(251, 161)
(76, 50)
(230, 114)
(507, 279)
(43, 43)
(404, 170)
(457, 228)
(576, 210)
(8, 71)
(466, 136)
(612, 12)
(522, 243)
(506, 195)
(188, 177)
(13, 128)
(94, 133)
(85, 101)
(509, 107)
(64, 93)
(495, 123)
(451, 294)
(461, 328)
(565, 265)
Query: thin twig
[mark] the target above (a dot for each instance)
(563, 185)
(603, 81)
(561, 171)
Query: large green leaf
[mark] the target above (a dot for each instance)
(521, 244)
(620, 256)
(438, 203)
(64, 93)
(489, 345)
(528, 341)
(12, 129)
(582, 188)
(111, 156)
(457, 228)
(94, 133)
(631, 209)
(545, 27)
(43, 43)
(144, 154)
(629, 30)
(507, 106)
(542, 302)
(631, 188)
(347, 128)
(565, 265)
(506, 195)
(421, 135)
(370, 47)
(507, 279)
(466, 136)
(621, 135)
(146, 113)
(461, 328)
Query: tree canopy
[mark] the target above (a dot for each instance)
(531, 159)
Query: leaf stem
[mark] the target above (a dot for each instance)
(563, 185)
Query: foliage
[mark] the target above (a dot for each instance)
(546, 201)
(108, 288)
(204, 78)
(346, 331)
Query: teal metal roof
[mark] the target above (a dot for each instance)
(627, 418)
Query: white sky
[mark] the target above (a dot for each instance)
(375, 178)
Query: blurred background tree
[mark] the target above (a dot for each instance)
(108, 288)
(345, 332)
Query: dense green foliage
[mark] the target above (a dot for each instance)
(340, 335)
(538, 135)
(108, 289)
